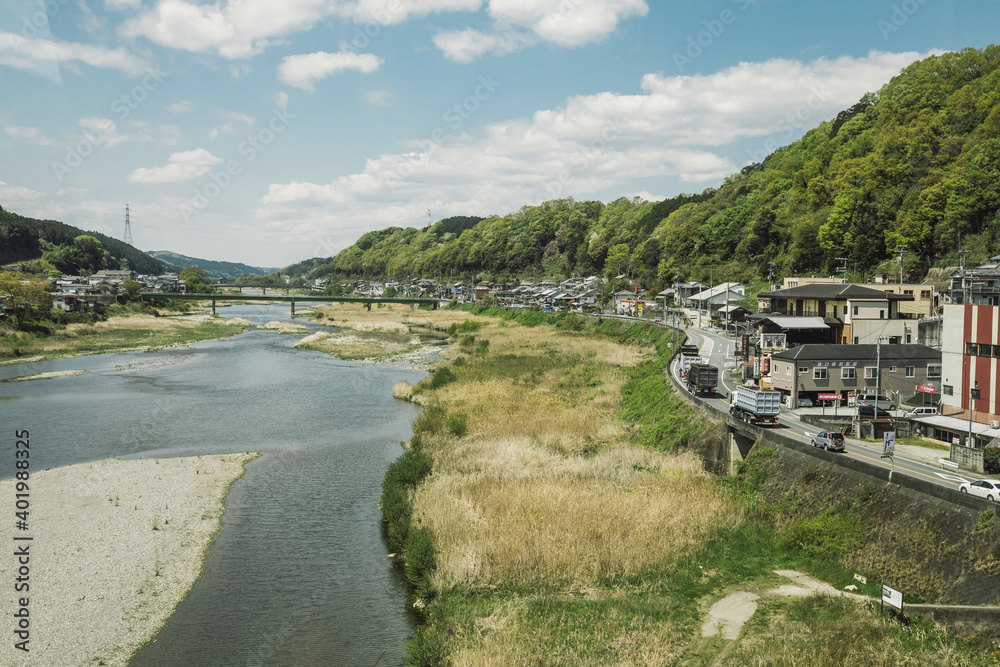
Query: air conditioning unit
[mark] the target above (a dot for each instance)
(995, 424)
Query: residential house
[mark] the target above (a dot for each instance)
(686, 290)
(716, 297)
(977, 286)
(855, 314)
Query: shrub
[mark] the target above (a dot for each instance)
(441, 377)
(401, 477)
(456, 425)
(483, 348)
(430, 420)
(991, 460)
(419, 550)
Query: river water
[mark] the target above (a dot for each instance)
(298, 574)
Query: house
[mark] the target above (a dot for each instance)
(897, 371)
(854, 313)
(976, 286)
(716, 297)
(685, 290)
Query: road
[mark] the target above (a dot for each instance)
(719, 351)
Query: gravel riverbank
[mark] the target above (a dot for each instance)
(116, 546)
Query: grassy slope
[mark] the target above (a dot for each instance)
(545, 528)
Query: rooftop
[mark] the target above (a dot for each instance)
(864, 352)
(831, 291)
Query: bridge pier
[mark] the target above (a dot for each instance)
(213, 306)
(293, 307)
(741, 442)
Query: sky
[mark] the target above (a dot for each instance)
(269, 132)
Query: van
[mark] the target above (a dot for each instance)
(877, 400)
(922, 412)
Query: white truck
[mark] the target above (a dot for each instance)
(756, 406)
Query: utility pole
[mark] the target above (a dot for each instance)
(842, 269)
(965, 282)
(770, 277)
(901, 252)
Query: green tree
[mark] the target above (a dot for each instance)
(194, 280)
(27, 297)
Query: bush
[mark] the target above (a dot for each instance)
(441, 377)
(419, 551)
(991, 460)
(456, 425)
(430, 420)
(426, 649)
(401, 477)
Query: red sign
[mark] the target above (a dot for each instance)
(926, 389)
(830, 397)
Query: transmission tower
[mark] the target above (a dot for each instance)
(127, 238)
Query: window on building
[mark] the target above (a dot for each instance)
(925, 294)
(971, 349)
(908, 291)
(933, 371)
(803, 369)
(788, 369)
(892, 369)
(834, 311)
(947, 390)
(855, 340)
(819, 374)
(855, 310)
(909, 338)
(847, 374)
(843, 340)
(869, 372)
(910, 371)
(996, 350)
(985, 350)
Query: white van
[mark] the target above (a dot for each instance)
(877, 400)
(921, 412)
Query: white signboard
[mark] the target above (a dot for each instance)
(892, 597)
(888, 444)
(772, 341)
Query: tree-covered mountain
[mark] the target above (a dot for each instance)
(23, 239)
(914, 166)
(213, 269)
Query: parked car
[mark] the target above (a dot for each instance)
(922, 412)
(876, 399)
(984, 488)
(871, 411)
(803, 402)
(829, 440)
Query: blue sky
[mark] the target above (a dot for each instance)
(269, 132)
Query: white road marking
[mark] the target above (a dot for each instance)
(952, 478)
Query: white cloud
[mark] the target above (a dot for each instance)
(104, 132)
(32, 134)
(519, 24)
(122, 4)
(281, 100)
(34, 54)
(465, 46)
(181, 166)
(303, 71)
(180, 106)
(246, 28)
(379, 98)
(685, 127)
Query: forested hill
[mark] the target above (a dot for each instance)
(21, 240)
(213, 269)
(914, 165)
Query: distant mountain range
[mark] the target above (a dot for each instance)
(214, 269)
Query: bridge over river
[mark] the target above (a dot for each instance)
(293, 298)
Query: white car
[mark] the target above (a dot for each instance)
(984, 488)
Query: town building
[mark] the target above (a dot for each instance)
(853, 314)
(978, 285)
(899, 372)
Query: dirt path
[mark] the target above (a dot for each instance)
(726, 618)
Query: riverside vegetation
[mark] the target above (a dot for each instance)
(548, 511)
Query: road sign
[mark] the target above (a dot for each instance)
(830, 397)
(850, 398)
(888, 443)
(892, 597)
(860, 577)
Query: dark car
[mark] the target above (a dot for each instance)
(871, 411)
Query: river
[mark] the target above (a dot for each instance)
(298, 573)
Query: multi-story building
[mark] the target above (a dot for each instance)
(896, 371)
(977, 286)
(852, 313)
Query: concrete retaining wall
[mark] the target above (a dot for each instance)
(967, 458)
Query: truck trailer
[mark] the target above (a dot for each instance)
(702, 379)
(756, 406)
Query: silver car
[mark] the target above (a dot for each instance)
(829, 440)
(984, 488)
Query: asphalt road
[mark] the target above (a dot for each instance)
(719, 351)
